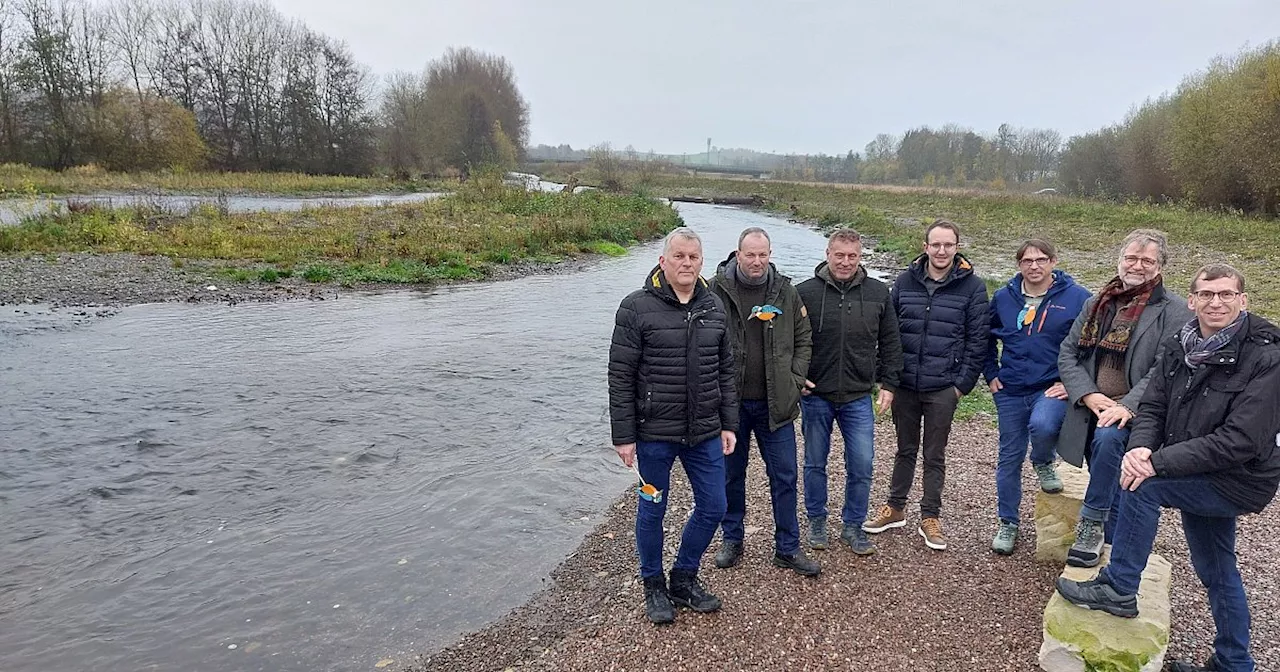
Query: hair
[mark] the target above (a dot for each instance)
(752, 230)
(1217, 272)
(942, 224)
(848, 236)
(1145, 237)
(1038, 243)
(681, 232)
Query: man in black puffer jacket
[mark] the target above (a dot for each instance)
(1205, 441)
(943, 318)
(672, 394)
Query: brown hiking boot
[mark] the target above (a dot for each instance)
(887, 518)
(931, 530)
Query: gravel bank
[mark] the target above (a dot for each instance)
(904, 608)
(113, 280)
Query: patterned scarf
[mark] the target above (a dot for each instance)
(1198, 348)
(1129, 304)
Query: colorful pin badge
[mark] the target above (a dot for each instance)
(766, 312)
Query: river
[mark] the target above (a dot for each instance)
(310, 486)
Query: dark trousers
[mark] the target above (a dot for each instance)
(778, 448)
(936, 409)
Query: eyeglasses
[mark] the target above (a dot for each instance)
(1146, 262)
(942, 246)
(1226, 296)
(1038, 261)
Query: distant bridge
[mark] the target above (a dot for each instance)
(695, 168)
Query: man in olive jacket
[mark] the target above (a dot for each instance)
(1105, 364)
(671, 395)
(855, 347)
(770, 334)
(1206, 441)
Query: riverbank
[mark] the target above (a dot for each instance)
(19, 181)
(104, 256)
(904, 608)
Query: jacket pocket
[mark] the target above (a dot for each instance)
(646, 403)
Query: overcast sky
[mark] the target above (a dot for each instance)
(806, 76)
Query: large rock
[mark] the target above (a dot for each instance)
(1077, 639)
(1056, 515)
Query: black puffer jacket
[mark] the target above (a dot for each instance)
(944, 335)
(855, 335)
(1219, 420)
(671, 375)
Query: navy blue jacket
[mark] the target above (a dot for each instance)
(944, 335)
(1029, 362)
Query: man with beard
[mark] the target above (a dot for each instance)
(1105, 364)
(1206, 442)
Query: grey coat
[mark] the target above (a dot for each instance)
(1161, 319)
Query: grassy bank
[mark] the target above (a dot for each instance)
(23, 181)
(466, 235)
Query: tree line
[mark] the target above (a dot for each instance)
(1213, 142)
(234, 85)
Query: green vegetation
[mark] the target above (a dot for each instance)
(1213, 142)
(19, 181)
(461, 236)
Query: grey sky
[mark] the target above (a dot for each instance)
(807, 76)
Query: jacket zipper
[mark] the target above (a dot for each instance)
(691, 370)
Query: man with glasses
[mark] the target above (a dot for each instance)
(1206, 442)
(942, 318)
(1030, 316)
(1106, 363)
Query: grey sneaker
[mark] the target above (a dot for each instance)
(857, 539)
(1087, 551)
(1006, 536)
(1049, 481)
(818, 533)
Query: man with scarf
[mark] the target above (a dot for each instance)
(1206, 442)
(769, 328)
(1105, 364)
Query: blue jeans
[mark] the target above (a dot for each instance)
(1029, 417)
(778, 449)
(704, 464)
(1209, 522)
(1106, 453)
(857, 426)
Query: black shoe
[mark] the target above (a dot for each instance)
(1087, 549)
(657, 603)
(1098, 596)
(729, 554)
(687, 591)
(797, 562)
(1210, 665)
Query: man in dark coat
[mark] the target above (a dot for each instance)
(671, 395)
(1206, 441)
(770, 333)
(942, 316)
(1105, 364)
(856, 347)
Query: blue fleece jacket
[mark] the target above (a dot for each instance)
(1029, 361)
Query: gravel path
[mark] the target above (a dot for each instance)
(904, 608)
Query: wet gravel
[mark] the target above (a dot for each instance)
(904, 608)
(105, 281)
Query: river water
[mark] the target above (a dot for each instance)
(310, 486)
